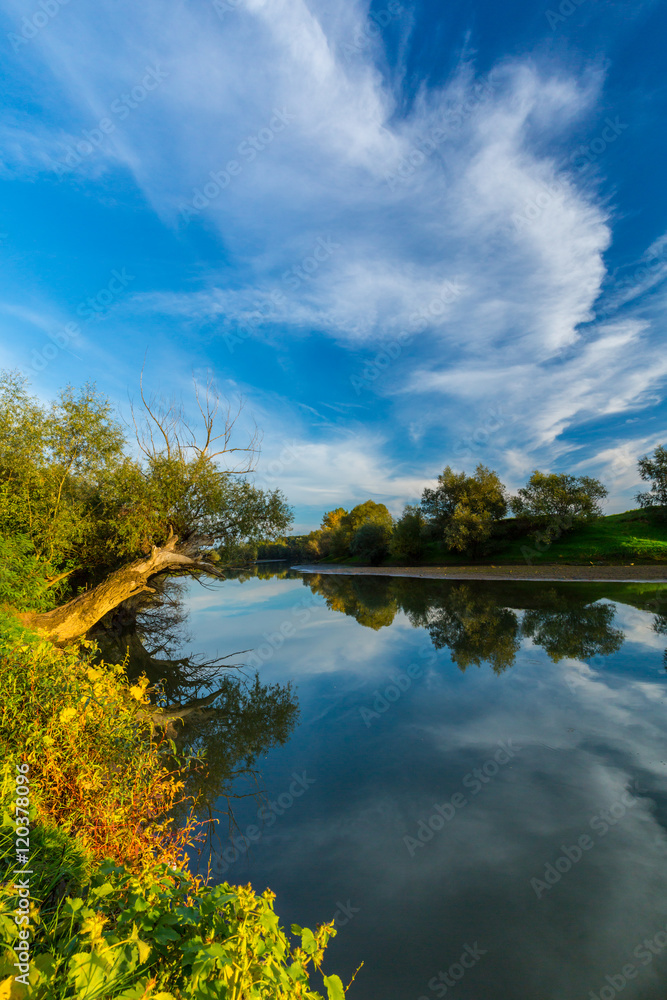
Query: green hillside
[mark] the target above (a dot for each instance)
(636, 536)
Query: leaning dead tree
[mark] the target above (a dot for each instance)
(188, 494)
(78, 616)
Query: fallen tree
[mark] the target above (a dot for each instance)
(78, 616)
(107, 522)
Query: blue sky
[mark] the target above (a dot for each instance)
(410, 234)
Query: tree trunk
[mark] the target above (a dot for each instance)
(74, 619)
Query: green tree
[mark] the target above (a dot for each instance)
(465, 508)
(343, 526)
(654, 470)
(371, 542)
(407, 540)
(112, 521)
(580, 632)
(473, 625)
(558, 495)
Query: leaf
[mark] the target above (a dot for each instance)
(334, 987)
(6, 988)
(45, 965)
(144, 951)
(88, 972)
(296, 929)
(308, 942)
(102, 890)
(163, 934)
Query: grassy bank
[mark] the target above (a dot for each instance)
(111, 908)
(636, 536)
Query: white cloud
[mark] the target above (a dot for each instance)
(488, 207)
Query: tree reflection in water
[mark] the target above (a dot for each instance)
(474, 621)
(238, 719)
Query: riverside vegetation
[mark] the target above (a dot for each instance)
(464, 519)
(114, 909)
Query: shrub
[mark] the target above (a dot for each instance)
(114, 910)
(408, 540)
(371, 542)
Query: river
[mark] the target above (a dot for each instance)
(475, 786)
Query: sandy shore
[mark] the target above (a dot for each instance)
(553, 574)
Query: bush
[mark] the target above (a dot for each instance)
(370, 542)
(26, 581)
(408, 540)
(114, 910)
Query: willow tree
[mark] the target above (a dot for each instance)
(109, 517)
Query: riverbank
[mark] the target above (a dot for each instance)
(550, 574)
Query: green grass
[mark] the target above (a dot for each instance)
(634, 536)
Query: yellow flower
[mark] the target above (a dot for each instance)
(67, 714)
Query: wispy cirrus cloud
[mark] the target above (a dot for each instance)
(469, 184)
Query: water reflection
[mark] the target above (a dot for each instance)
(208, 706)
(515, 815)
(576, 692)
(472, 621)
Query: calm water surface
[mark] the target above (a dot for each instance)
(475, 786)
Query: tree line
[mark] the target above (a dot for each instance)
(467, 514)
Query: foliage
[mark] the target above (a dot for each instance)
(339, 527)
(84, 732)
(654, 470)
(71, 485)
(26, 581)
(568, 498)
(465, 508)
(577, 633)
(475, 627)
(370, 542)
(408, 539)
(115, 911)
(473, 623)
(112, 934)
(368, 601)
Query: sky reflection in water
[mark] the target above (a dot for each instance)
(588, 760)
